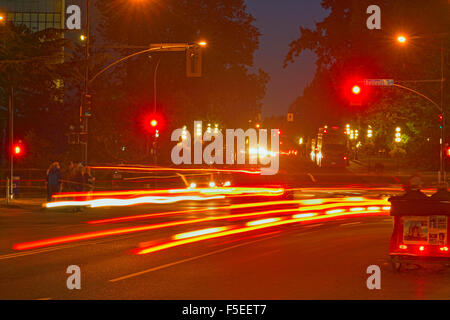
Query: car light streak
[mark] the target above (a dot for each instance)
(113, 232)
(357, 209)
(229, 207)
(172, 244)
(334, 211)
(120, 231)
(304, 215)
(241, 206)
(129, 168)
(263, 221)
(187, 191)
(198, 233)
(128, 202)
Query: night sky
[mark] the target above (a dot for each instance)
(279, 22)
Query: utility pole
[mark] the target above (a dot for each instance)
(10, 187)
(442, 164)
(83, 116)
(156, 134)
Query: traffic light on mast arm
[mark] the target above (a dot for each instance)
(353, 91)
(194, 62)
(356, 95)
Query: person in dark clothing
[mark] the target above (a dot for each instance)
(68, 174)
(78, 178)
(53, 180)
(88, 179)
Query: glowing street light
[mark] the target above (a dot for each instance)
(83, 37)
(401, 39)
(202, 43)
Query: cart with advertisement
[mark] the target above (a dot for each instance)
(421, 230)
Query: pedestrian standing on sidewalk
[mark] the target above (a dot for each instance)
(68, 173)
(53, 180)
(78, 178)
(88, 179)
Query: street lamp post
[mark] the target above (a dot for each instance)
(442, 177)
(84, 117)
(10, 187)
(10, 180)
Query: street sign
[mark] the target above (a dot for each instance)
(379, 82)
(166, 47)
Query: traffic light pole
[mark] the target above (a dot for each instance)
(10, 182)
(442, 177)
(443, 170)
(83, 116)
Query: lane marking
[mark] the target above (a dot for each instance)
(164, 266)
(22, 254)
(313, 225)
(349, 224)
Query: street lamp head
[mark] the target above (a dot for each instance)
(202, 43)
(401, 39)
(83, 37)
(2, 18)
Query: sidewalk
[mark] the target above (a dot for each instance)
(28, 204)
(362, 167)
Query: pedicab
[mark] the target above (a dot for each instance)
(421, 230)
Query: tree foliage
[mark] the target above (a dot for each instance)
(348, 51)
(227, 93)
(32, 64)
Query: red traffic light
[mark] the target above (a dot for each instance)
(153, 123)
(17, 149)
(447, 152)
(356, 90)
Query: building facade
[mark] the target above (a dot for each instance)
(35, 14)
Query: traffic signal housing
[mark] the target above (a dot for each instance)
(356, 95)
(87, 105)
(153, 123)
(17, 149)
(356, 90)
(194, 62)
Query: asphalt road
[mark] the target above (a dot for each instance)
(312, 260)
(323, 260)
